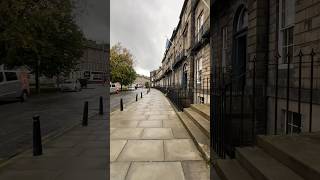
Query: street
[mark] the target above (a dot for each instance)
(57, 111)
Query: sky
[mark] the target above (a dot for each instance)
(93, 17)
(142, 26)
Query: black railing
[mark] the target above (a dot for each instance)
(265, 99)
(182, 96)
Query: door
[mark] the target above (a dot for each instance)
(239, 65)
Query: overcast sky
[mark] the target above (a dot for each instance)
(142, 26)
(93, 17)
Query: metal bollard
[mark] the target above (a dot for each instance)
(136, 97)
(37, 144)
(85, 114)
(101, 106)
(121, 105)
(141, 94)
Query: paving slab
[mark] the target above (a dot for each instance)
(116, 147)
(126, 133)
(118, 170)
(123, 124)
(157, 133)
(172, 124)
(181, 149)
(142, 150)
(150, 124)
(196, 170)
(155, 171)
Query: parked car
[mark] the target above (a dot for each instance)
(131, 88)
(14, 84)
(113, 88)
(70, 85)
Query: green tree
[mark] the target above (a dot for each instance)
(121, 64)
(41, 34)
(146, 84)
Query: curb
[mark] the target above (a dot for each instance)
(45, 139)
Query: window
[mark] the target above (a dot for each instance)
(224, 46)
(243, 20)
(199, 25)
(287, 13)
(11, 76)
(1, 77)
(199, 70)
(294, 122)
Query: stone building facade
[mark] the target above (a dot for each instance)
(266, 51)
(186, 61)
(93, 64)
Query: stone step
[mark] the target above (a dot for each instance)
(199, 120)
(299, 153)
(261, 165)
(201, 140)
(202, 109)
(230, 169)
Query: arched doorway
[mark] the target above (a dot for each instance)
(240, 29)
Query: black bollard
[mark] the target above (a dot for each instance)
(136, 97)
(85, 114)
(37, 144)
(121, 105)
(141, 94)
(101, 106)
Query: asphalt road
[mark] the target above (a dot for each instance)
(127, 97)
(57, 110)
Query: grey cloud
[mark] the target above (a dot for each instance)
(141, 26)
(93, 17)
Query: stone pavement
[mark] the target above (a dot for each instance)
(79, 154)
(148, 142)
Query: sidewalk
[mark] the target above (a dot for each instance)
(148, 142)
(79, 154)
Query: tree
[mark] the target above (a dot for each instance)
(41, 34)
(146, 84)
(121, 64)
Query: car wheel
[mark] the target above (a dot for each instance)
(24, 96)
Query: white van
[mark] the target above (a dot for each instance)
(113, 88)
(14, 84)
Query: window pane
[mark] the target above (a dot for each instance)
(11, 76)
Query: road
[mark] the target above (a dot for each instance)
(57, 110)
(127, 96)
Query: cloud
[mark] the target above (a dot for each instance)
(93, 17)
(142, 26)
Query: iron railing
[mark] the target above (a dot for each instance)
(182, 96)
(250, 103)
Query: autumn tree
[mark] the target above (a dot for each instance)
(121, 64)
(41, 34)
